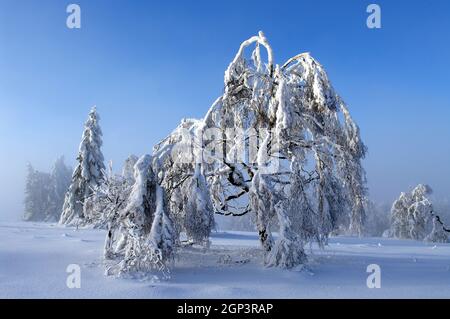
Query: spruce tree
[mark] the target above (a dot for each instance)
(37, 195)
(88, 174)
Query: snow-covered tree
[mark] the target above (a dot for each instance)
(439, 233)
(141, 205)
(420, 212)
(400, 226)
(413, 213)
(88, 174)
(198, 208)
(132, 224)
(44, 192)
(270, 120)
(38, 187)
(107, 201)
(162, 234)
(413, 217)
(148, 237)
(179, 160)
(287, 251)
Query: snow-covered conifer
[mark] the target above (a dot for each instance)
(38, 187)
(31, 209)
(88, 174)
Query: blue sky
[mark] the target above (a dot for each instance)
(147, 64)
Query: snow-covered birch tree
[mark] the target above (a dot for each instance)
(276, 131)
(198, 208)
(163, 236)
(179, 159)
(439, 232)
(413, 217)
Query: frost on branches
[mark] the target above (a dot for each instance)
(107, 200)
(198, 209)
(304, 167)
(439, 233)
(141, 234)
(412, 217)
(88, 174)
(279, 144)
(179, 159)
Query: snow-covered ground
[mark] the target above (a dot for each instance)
(34, 258)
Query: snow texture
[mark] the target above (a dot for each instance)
(34, 258)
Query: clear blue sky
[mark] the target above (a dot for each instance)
(147, 64)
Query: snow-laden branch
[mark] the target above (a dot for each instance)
(260, 39)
